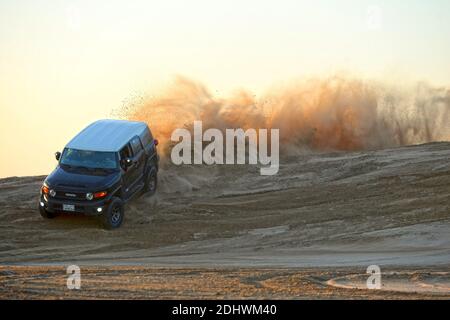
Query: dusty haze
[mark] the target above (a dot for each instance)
(334, 113)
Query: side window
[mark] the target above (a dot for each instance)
(136, 145)
(125, 152)
(146, 137)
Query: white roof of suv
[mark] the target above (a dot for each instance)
(107, 135)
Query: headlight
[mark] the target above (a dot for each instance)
(100, 194)
(45, 189)
(52, 193)
(89, 196)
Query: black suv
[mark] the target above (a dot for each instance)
(100, 169)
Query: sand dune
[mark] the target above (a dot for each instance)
(323, 210)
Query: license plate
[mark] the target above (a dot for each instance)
(68, 207)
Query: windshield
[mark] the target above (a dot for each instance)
(89, 159)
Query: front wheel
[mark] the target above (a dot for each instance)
(151, 183)
(112, 218)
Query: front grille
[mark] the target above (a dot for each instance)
(69, 195)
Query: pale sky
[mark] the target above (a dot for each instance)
(64, 64)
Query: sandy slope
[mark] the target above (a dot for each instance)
(388, 207)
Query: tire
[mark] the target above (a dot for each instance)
(45, 214)
(112, 218)
(151, 183)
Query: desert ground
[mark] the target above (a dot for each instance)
(227, 232)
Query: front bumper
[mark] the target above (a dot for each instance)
(87, 207)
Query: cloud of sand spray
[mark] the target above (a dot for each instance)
(322, 114)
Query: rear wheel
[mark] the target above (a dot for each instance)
(112, 218)
(45, 214)
(151, 183)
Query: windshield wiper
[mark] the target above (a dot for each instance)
(90, 169)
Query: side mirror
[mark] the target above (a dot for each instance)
(57, 155)
(156, 142)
